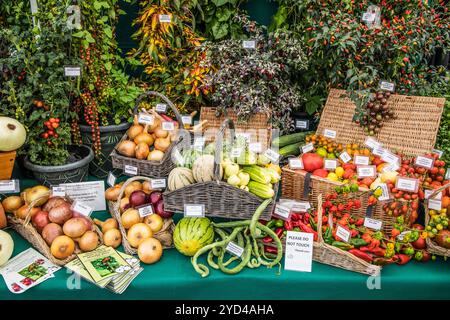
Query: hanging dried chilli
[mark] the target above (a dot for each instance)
(245, 234)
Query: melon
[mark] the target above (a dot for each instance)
(203, 169)
(179, 177)
(6, 247)
(192, 234)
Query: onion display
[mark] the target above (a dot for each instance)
(144, 137)
(147, 187)
(60, 214)
(133, 186)
(12, 203)
(112, 194)
(159, 209)
(38, 194)
(142, 150)
(155, 155)
(160, 133)
(127, 148)
(62, 247)
(51, 232)
(162, 144)
(150, 251)
(124, 204)
(89, 241)
(135, 129)
(53, 202)
(24, 211)
(86, 220)
(40, 220)
(106, 225)
(74, 227)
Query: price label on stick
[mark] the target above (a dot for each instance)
(386, 194)
(345, 157)
(130, 170)
(72, 71)
(361, 160)
(272, 155)
(158, 183)
(389, 157)
(145, 210)
(302, 124)
(366, 171)
(165, 18)
(234, 249)
(391, 167)
(111, 181)
(9, 186)
(447, 174)
(161, 108)
(236, 152)
(168, 126)
(425, 162)
(301, 206)
(144, 118)
(295, 163)
(378, 151)
(178, 157)
(328, 133)
(82, 208)
(249, 44)
(58, 191)
(308, 148)
(428, 193)
(368, 17)
(194, 210)
(282, 212)
(407, 184)
(434, 204)
(330, 164)
(440, 153)
(371, 143)
(387, 86)
(186, 120)
(255, 147)
(373, 223)
(343, 233)
(199, 143)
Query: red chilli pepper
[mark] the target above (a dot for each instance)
(267, 239)
(361, 255)
(308, 229)
(359, 222)
(402, 259)
(380, 252)
(279, 232)
(269, 249)
(288, 225)
(295, 217)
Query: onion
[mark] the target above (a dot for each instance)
(124, 204)
(155, 155)
(130, 218)
(150, 251)
(135, 129)
(53, 202)
(112, 193)
(147, 187)
(155, 197)
(40, 220)
(60, 214)
(138, 233)
(144, 137)
(23, 212)
(160, 133)
(126, 148)
(62, 247)
(159, 209)
(133, 186)
(106, 225)
(88, 241)
(87, 221)
(38, 194)
(112, 238)
(162, 144)
(12, 203)
(156, 123)
(138, 198)
(74, 227)
(142, 150)
(50, 232)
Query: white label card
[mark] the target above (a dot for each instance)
(343, 233)
(345, 157)
(428, 193)
(386, 85)
(236, 152)
(283, 212)
(58, 191)
(199, 143)
(194, 210)
(34, 6)
(368, 17)
(447, 174)
(161, 107)
(299, 251)
(378, 151)
(434, 204)
(330, 164)
(308, 147)
(425, 162)
(146, 119)
(402, 235)
(130, 170)
(272, 155)
(186, 120)
(440, 153)
(168, 126)
(295, 163)
(372, 143)
(91, 193)
(328, 133)
(165, 18)
(234, 249)
(301, 124)
(373, 223)
(407, 184)
(178, 157)
(366, 171)
(249, 44)
(72, 71)
(9, 186)
(146, 211)
(301, 206)
(361, 160)
(158, 183)
(244, 135)
(386, 194)
(255, 147)
(389, 157)
(391, 167)
(82, 208)
(111, 181)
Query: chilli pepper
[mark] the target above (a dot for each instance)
(279, 232)
(306, 217)
(359, 222)
(354, 233)
(279, 223)
(380, 252)
(306, 228)
(270, 249)
(402, 259)
(295, 217)
(409, 251)
(313, 223)
(270, 224)
(342, 245)
(383, 261)
(328, 236)
(375, 243)
(358, 242)
(288, 225)
(362, 255)
(267, 239)
(395, 232)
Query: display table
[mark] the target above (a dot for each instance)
(174, 278)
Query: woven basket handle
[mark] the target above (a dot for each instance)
(32, 203)
(226, 124)
(319, 219)
(122, 189)
(166, 100)
(439, 190)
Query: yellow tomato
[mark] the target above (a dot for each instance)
(339, 171)
(332, 176)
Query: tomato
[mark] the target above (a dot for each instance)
(55, 125)
(45, 135)
(434, 170)
(51, 132)
(441, 171)
(406, 196)
(312, 161)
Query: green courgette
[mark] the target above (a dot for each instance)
(289, 139)
(291, 149)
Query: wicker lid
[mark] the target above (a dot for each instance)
(412, 133)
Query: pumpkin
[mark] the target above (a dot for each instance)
(180, 177)
(12, 134)
(3, 221)
(203, 169)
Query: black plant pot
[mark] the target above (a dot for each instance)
(109, 137)
(75, 171)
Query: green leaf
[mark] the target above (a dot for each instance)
(78, 34)
(223, 14)
(108, 32)
(108, 66)
(219, 30)
(219, 2)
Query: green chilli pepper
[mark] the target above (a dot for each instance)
(357, 242)
(342, 245)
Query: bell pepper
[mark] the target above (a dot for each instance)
(409, 251)
(362, 255)
(356, 242)
(342, 245)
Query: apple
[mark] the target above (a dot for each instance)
(6, 247)
(150, 251)
(155, 222)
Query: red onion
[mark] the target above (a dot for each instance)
(138, 198)
(40, 220)
(159, 209)
(155, 197)
(60, 214)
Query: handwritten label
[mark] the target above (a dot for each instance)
(300, 206)
(391, 167)
(9, 186)
(178, 157)
(361, 160)
(255, 147)
(302, 124)
(328, 133)
(434, 204)
(447, 174)
(186, 120)
(343, 233)
(373, 223)
(425, 162)
(34, 6)
(130, 170)
(145, 210)
(428, 194)
(299, 251)
(199, 143)
(158, 183)
(194, 210)
(111, 181)
(407, 184)
(372, 143)
(234, 249)
(389, 157)
(440, 153)
(82, 208)
(144, 118)
(249, 44)
(161, 107)
(295, 163)
(58, 191)
(243, 135)
(330, 164)
(236, 152)
(91, 193)
(345, 157)
(308, 148)
(165, 18)
(386, 194)
(387, 86)
(378, 151)
(368, 17)
(366, 171)
(272, 155)
(72, 71)
(168, 126)
(282, 212)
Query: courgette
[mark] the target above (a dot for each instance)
(291, 149)
(289, 139)
(261, 190)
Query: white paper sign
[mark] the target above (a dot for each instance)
(447, 174)
(130, 170)
(391, 167)
(249, 44)
(144, 118)
(236, 152)
(82, 208)
(389, 157)
(402, 235)
(272, 155)
(165, 18)
(244, 135)
(186, 120)
(361, 160)
(194, 210)
(91, 193)
(425, 162)
(301, 124)
(178, 157)
(72, 71)
(295, 163)
(328, 133)
(368, 17)
(366, 171)
(33, 6)
(330, 164)
(146, 211)
(345, 157)
(234, 249)
(372, 143)
(428, 193)
(168, 126)
(161, 107)
(343, 233)
(373, 223)
(111, 181)
(199, 143)
(282, 211)
(378, 151)
(158, 184)
(386, 85)
(58, 192)
(385, 195)
(434, 204)
(308, 147)
(300, 206)
(9, 186)
(299, 251)
(407, 184)
(255, 147)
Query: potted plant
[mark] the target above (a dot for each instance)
(107, 94)
(36, 91)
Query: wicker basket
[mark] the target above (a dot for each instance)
(164, 235)
(220, 198)
(28, 231)
(258, 126)
(155, 169)
(431, 245)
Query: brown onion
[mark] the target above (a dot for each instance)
(87, 221)
(51, 231)
(142, 150)
(12, 203)
(40, 220)
(53, 202)
(112, 238)
(135, 129)
(74, 227)
(60, 214)
(124, 204)
(144, 137)
(112, 193)
(24, 211)
(146, 187)
(88, 242)
(155, 155)
(160, 133)
(130, 218)
(162, 144)
(108, 224)
(126, 148)
(62, 247)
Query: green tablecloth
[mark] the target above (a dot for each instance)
(174, 278)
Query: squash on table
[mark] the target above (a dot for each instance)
(203, 169)
(180, 177)
(12, 134)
